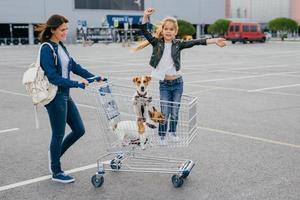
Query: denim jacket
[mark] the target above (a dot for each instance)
(159, 45)
(53, 70)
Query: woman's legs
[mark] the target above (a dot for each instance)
(57, 111)
(76, 124)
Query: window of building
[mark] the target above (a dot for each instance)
(110, 4)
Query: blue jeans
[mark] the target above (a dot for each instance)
(170, 96)
(62, 110)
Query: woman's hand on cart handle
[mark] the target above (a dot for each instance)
(83, 84)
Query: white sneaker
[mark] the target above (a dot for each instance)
(174, 138)
(163, 141)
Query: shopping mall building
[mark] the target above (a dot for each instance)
(262, 11)
(18, 18)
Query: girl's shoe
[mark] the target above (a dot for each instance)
(174, 137)
(163, 141)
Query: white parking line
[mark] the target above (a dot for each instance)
(250, 137)
(192, 66)
(271, 88)
(43, 178)
(282, 93)
(15, 93)
(250, 68)
(9, 130)
(237, 78)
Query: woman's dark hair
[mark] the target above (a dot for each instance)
(52, 24)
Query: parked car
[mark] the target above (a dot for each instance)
(244, 32)
(268, 35)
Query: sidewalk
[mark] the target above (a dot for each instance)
(292, 39)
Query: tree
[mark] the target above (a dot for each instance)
(283, 25)
(185, 28)
(219, 27)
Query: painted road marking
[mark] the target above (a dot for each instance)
(9, 130)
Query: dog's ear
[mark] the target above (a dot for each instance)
(148, 78)
(134, 79)
(154, 109)
(150, 114)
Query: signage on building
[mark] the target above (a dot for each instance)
(81, 24)
(121, 19)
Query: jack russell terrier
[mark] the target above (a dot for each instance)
(132, 132)
(141, 98)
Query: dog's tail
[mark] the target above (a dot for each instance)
(114, 126)
(113, 123)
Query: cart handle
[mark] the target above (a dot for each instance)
(96, 78)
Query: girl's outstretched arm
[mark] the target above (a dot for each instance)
(218, 41)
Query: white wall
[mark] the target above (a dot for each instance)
(261, 10)
(38, 11)
(194, 11)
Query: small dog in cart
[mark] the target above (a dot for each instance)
(132, 132)
(141, 98)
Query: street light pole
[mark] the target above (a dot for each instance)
(11, 33)
(250, 9)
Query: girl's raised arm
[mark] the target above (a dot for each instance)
(147, 13)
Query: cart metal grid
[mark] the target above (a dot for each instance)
(114, 104)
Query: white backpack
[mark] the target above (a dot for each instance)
(37, 84)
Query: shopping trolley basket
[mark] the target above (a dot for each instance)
(114, 104)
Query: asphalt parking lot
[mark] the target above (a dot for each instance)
(248, 141)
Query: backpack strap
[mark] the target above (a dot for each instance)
(37, 124)
(39, 53)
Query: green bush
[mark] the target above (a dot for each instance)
(283, 26)
(219, 27)
(185, 28)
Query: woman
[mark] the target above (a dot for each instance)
(61, 110)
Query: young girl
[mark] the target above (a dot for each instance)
(61, 110)
(165, 61)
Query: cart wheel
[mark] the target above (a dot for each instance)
(177, 180)
(115, 164)
(185, 174)
(97, 180)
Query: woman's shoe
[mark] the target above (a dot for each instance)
(62, 178)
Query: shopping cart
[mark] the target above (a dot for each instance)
(114, 104)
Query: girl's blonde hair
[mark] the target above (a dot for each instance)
(158, 31)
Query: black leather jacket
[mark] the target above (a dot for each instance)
(159, 45)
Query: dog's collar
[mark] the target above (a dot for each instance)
(139, 95)
(151, 125)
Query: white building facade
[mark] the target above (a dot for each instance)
(263, 10)
(19, 17)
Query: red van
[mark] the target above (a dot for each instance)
(244, 32)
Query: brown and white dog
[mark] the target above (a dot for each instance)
(141, 98)
(129, 132)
